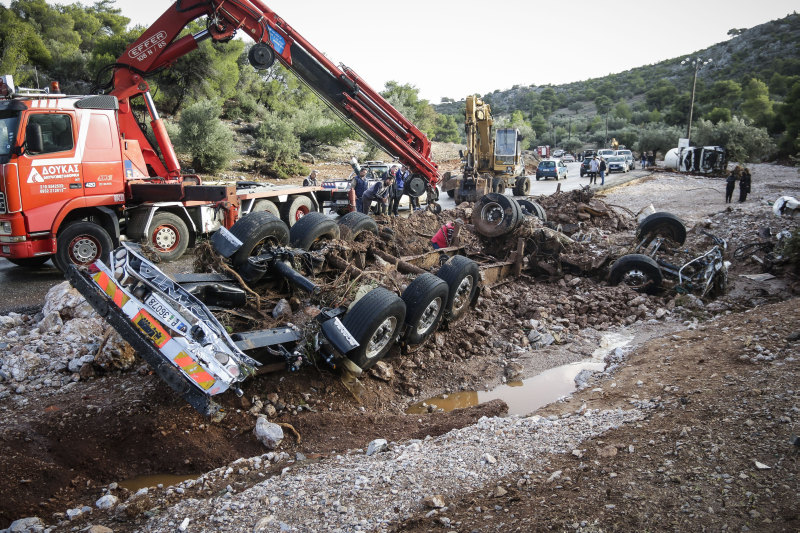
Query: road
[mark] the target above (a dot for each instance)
(24, 289)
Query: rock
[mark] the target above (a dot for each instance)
(383, 371)
(488, 459)
(100, 529)
(72, 514)
(74, 365)
(607, 451)
(270, 411)
(269, 434)
(577, 453)
(435, 501)
(26, 525)
(762, 466)
(282, 309)
(514, 370)
(107, 502)
(263, 524)
(51, 323)
(184, 525)
(554, 476)
(499, 492)
(377, 446)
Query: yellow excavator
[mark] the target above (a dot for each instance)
(493, 160)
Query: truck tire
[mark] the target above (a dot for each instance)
(425, 300)
(462, 276)
(522, 187)
(663, 224)
(532, 209)
(256, 231)
(30, 262)
(353, 226)
(168, 236)
(311, 231)
(497, 214)
(81, 243)
(638, 271)
(265, 205)
(499, 185)
(374, 321)
(295, 208)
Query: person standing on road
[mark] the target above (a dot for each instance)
(594, 167)
(396, 192)
(744, 185)
(311, 179)
(602, 169)
(377, 193)
(730, 183)
(644, 160)
(651, 159)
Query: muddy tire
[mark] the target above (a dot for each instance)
(436, 208)
(374, 321)
(295, 208)
(498, 185)
(29, 262)
(168, 236)
(81, 243)
(532, 209)
(416, 186)
(425, 299)
(663, 225)
(266, 205)
(462, 276)
(640, 272)
(355, 226)
(312, 231)
(497, 215)
(522, 187)
(257, 231)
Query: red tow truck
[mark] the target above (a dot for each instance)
(77, 172)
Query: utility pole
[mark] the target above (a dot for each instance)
(697, 63)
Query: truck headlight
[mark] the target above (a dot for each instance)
(5, 227)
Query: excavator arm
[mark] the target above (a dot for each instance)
(344, 91)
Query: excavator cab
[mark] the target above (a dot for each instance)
(506, 147)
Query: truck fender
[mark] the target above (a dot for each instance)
(139, 223)
(110, 222)
(78, 210)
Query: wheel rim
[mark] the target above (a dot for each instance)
(636, 279)
(461, 298)
(301, 212)
(84, 249)
(268, 242)
(493, 213)
(166, 238)
(429, 315)
(381, 337)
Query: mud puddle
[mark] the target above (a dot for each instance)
(165, 480)
(526, 396)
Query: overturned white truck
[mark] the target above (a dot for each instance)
(699, 159)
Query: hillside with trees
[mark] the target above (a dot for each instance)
(749, 101)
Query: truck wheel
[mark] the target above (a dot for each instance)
(355, 226)
(522, 186)
(374, 321)
(664, 225)
(81, 243)
(257, 231)
(532, 209)
(425, 299)
(311, 231)
(168, 235)
(416, 186)
(498, 185)
(640, 272)
(265, 205)
(462, 276)
(295, 208)
(29, 262)
(497, 215)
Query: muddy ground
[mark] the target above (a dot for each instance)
(722, 373)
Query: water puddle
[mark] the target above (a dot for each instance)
(524, 397)
(155, 480)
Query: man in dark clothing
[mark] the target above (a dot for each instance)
(744, 185)
(378, 192)
(311, 180)
(359, 185)
(602, 171)
(403, 174)
(396, 191)
(730, 184)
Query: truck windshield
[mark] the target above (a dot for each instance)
(505, 142)
(9, 120)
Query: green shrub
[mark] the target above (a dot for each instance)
(204, 137)
(743, 142)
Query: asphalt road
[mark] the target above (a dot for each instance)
(23, 289)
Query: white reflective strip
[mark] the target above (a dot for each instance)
(78, 157)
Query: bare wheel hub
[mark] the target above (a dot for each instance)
(165, 238)
(381, 337)
(84, 249)
(429, 315)
(463, 291)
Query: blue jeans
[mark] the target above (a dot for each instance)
(602, 177)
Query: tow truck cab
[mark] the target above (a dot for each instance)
(61, 159)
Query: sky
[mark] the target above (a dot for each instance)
(449, 48)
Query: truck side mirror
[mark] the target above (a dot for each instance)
(33, 138)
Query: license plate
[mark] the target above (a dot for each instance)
(164, 313)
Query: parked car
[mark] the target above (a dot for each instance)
(617, 163)
(551, 168)
(628, 155)
(558, 153)
(585, 166)
(605, 153)
(568, 158)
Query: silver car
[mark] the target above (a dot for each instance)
(628, 155)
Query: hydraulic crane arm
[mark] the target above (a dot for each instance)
(339, 86)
